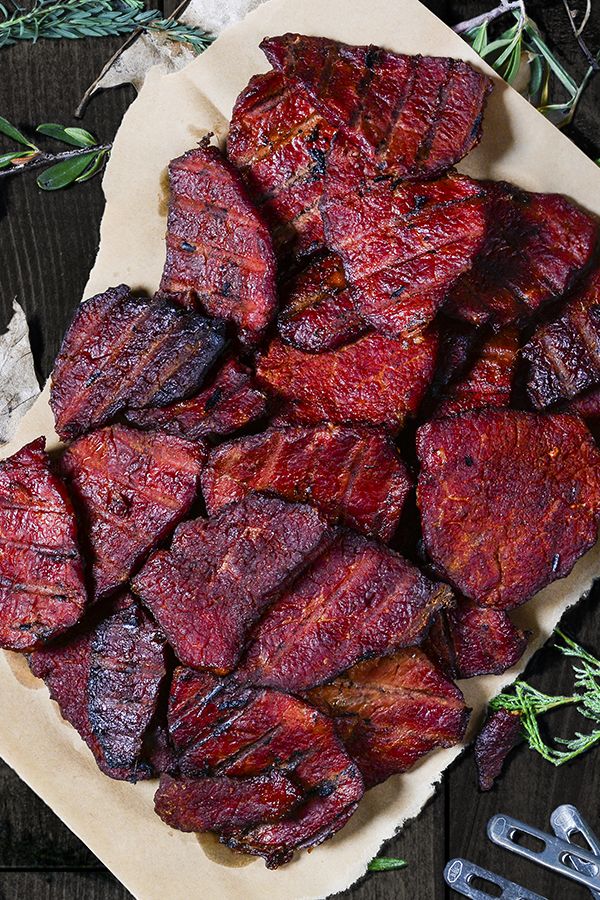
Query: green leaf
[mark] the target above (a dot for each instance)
(479, 36)
(7, 158)
(386, 864)
(65, 172)
(14, 133)
(95, 166)
(77, 137)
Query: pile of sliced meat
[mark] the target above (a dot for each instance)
(305, 484)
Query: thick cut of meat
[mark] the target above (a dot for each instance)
(221, 574)
(280, 143)
(229, 403)
(390, 712)
(501, 733)
(132, 488)
(127, 670)
(357, 601)
(222, 803)
(403, 245)
(42, 590)
(414, 116)
(352, 475)
(318, 312)
(509, 500)
(587, 406)
(489, 382)
(535, 246)
(564, 355)
(220, 728)
(376, 379)
(219, 250)
(123, 351)
(471, 640)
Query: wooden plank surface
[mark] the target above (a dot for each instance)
(48, 245)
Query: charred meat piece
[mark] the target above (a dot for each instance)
(279, 143)
(123, 351)
(564, 355)
(127, 670)
(219, 250)
(489, 482)
(414, 116)
(390, 712)
(352, 475)
(220, 575)
(404, 244)
(471, 640)
(222, 803)
(376, 379)
(42, 591)
(318, 312)
(220, 728)
(229, 403)
(132, 488)
(358, 600)
(587, 406)
(489, 382)
(501, 733)
(535, 246)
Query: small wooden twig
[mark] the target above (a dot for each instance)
(47, 159)
(591, 59)
(500, 10)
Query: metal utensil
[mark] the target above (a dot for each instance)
(567, 821)
(460, 873)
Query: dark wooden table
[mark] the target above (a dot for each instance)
(47, 246)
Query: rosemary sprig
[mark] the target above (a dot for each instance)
(386, 864)
(75, 19)
(530, 703)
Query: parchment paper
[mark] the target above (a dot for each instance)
(171, 113)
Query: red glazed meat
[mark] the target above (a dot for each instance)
(501, 733)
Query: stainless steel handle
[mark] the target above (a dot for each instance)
(566, 821)
(459, 875)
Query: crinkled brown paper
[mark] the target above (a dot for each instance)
(171, 113)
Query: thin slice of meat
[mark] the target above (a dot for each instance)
(403, 244)
(127, 671)
(42, 590)
(375, 380)
(219, 251)
(392, 711)
(564, 355)
(229, 403)
(65, 666)
(131, 488)
(358, 600)
(220, 728)
(279, 143)
(535, 246)
(214, 804)
(123, 351)
(509, 500)
(501, 733)
(587, 406)
(471, 640)
(414, 116)
(318, 310)
(221, 574)
(489, 381)
(352, 475)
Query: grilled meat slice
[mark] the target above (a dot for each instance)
(413, 116)
(123, 351)
(587, 406)
(221, 574)
(42, 591)
(390, 712)
(132, 488)
(219, 251)
(377, 379)
(564, 355)
(501, 733)
(357, 601)
(279, 143)
(229, 403)
(535, 246)
(352, 475)
(490, 480)
(403, 245)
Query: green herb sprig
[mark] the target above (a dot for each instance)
(530, 703)
(73, 19)
(60, 169)
(386, 864)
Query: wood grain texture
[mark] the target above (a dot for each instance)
(48, 245)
